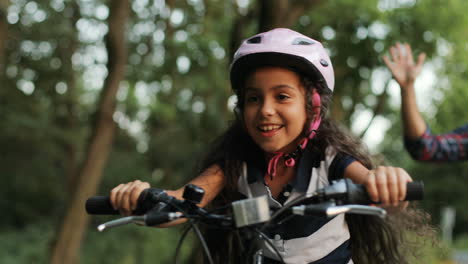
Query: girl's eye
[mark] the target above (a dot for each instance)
(252, 99)
(283, 97)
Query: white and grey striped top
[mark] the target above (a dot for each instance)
(304, 239)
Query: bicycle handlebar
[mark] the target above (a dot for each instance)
(155, 207)
(345, 192)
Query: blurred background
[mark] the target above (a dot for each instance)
(95, 93)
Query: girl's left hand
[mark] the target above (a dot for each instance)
(387, 185)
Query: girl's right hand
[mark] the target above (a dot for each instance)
(402, 64)
(124, 197)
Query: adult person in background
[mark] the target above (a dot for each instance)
(419, 141)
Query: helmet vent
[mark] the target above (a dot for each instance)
(323, 62)
(302, 41)
(254, 40)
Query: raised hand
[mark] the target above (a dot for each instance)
(402, 64)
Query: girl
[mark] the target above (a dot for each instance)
(281, 144)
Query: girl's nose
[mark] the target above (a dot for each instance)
(267, 108)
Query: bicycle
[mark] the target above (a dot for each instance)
(251, 216)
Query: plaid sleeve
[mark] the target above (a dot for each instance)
(452, 146)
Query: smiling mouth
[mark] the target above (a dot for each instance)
(269, 128)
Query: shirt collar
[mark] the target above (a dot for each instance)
(300, 183)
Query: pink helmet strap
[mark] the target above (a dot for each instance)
(290, 158)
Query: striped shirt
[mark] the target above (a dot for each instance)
(452, 146)
(304, 239)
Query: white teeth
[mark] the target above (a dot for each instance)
(269, 127)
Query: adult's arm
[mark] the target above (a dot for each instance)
(419, 142)
(404, 71)
(451, 146)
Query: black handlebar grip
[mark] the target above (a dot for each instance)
(414, 191)
(357, 193)
(100, 205)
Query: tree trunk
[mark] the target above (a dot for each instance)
(270, 14)
(73, 227)
(282, 13)
(68, 46)
(273, 14)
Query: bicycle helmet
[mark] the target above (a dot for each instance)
(286, 48)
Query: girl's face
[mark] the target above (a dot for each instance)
(275, 109)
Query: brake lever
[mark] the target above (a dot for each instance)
(330, 210)
(357, 209)
(153, 218)
(138, 219)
